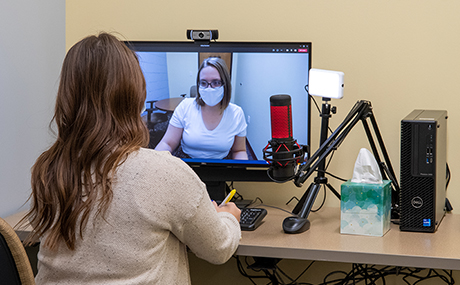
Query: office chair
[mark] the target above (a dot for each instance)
(154, 115)
(193, 91)
(15, 267)
(157, 122)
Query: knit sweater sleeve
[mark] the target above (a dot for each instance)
(210, 235)
(185, 209)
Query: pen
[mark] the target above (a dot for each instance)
(228, 198)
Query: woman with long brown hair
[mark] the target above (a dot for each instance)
(106, 209)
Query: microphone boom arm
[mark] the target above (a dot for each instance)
(361, 111)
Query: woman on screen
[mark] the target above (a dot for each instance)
(208, 126)
(106, 209)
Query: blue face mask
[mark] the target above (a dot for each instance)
(212, 96)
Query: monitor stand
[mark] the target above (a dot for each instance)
(217, 190)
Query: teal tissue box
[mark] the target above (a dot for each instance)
(365, 208)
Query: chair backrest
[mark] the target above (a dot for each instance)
(14, 264)
(193, 91)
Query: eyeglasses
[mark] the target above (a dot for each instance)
(213, 84)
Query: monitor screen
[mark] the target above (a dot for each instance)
(257, 71)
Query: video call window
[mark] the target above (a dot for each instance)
(255, 76)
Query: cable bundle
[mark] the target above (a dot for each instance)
(268, 269)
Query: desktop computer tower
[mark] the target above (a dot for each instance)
(423, 170)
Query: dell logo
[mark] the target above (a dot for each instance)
(417, 202)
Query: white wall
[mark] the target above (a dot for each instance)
(32, 47)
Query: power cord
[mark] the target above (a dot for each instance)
(270, 270)
(371, 274)
(449, 207)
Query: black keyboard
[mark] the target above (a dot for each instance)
(251, 218)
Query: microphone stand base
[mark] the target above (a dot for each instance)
(295, 225)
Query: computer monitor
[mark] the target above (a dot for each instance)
(258, 70)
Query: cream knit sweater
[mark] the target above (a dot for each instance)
(159, 208)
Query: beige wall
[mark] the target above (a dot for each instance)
(400, 55)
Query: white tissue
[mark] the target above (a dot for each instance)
(366, 168)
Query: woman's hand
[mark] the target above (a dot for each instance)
(230, 207)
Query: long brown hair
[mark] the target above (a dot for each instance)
(100, 97)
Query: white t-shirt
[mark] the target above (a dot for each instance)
(199, 142)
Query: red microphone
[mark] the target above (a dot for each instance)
(282, 151)
(281, 117)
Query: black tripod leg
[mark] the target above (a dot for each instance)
(333, 190)
(302, 200)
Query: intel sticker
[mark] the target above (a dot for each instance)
(427, 222)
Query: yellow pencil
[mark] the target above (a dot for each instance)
(228, 198)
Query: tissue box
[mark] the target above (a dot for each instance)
(365, 208)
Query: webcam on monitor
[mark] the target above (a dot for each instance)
(326, 83)
(202, 35)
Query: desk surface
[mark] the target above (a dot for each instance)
(323, 241)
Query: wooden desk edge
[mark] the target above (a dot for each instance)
(350, 257)
(274, 244)
(315, 254)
